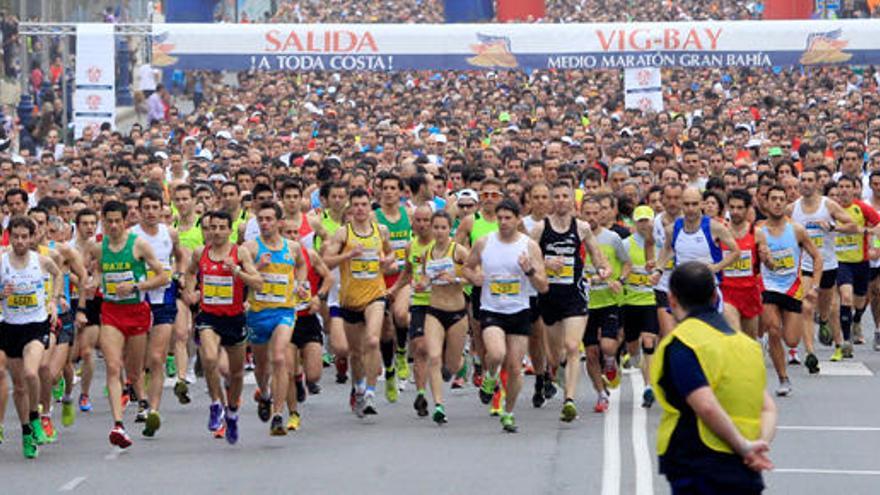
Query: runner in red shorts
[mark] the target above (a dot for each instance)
(741, 284)
(122, 261)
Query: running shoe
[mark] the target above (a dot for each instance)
(477, 377)
(625, 361)
(231, 427)
(58, 390)
(264, 408)
(2, 434)
(858, 337)
(341, 370)
(276, 427)
(440, 414)
(812, 363)
(825, 335)
(49, 428)
(68, 413)
(784, 388)
(528, 368)
(549, 388)
(877, 341)
(143, 409)
(847, 348)
(326, 360)
(445, 374)
(85, 405)
(300, 389)
(487, 389)
(391, 390)
(793, 358)
(39, 433)
(401, 364)
(152, 424)
(459, 381)
(837, 355)
(29, 446)
(359, 404)
(170, 366)
(126, 397)
(313, 388)
(611, 375)
(293, 421)
(119, 437)
(215, 416)
(648, 398)
(181, 390)
(497, 405)
(538, 397)
(569, 411)
(421, 405)
(370, 404)
(508, 424)
(220, 432)
(249, 361)
(602, 404)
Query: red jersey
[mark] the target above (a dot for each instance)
(302, 308)
(743, 273)
(222, 291)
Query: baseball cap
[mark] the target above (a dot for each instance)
(643, 212)
(774, 151)
(467, 194)
(504, 117)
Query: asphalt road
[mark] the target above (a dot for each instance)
(826, 444)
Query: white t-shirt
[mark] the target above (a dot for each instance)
(147, 76)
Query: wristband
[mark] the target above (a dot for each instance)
(323, 297)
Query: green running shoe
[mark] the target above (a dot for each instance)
(170, 367)
(39, 435)
(58, 390)
(68, 413)
(487, 389)
(327, 360)
(837, 355)
(401, 364)
(440, 415)
(569, 412)
(2, 435)
(508, 424)
(391, 391)
(152, 424)
(29, 446)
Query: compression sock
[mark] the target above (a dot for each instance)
(387, 348)
(402, 333)
(857, 316)
(846, 321)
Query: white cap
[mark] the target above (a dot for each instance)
(223, 135)
(205, 154)
(439, 138)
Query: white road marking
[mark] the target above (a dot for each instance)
(845, 368)
(72, 484)
(644, 467)
(611, 442)
(829, 428)
(848, 472)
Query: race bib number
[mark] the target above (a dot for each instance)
(847, 243)
(591, 273)
(158, 294)
(639, 280)
(505, 286)
(112, 280)
(399, 247)
(365, 266)
(23, 299)
(817, 235)
(742, 267)
(435, 268)
(303, 304)
(217, 290)
(275, 288)
(783, 262)
(565, 274)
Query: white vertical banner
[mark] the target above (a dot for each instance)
(643, 89)
(94, 97)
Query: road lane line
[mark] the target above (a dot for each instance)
(644, 468)
(72, 484)
(852, 472)
(828, 428)
(611, 447)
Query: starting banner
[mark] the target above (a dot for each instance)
(94, 96)
(388, 47)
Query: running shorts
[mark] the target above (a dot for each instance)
(130, 319)
(262, 324)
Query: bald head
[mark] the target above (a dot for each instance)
(691, 204)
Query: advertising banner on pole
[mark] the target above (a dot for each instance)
(388, 47)
(94, 97)
(643, 89)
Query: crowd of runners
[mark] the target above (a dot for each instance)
(448, 229)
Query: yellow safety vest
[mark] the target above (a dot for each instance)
(734, 367)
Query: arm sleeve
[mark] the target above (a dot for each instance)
(685, 372)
